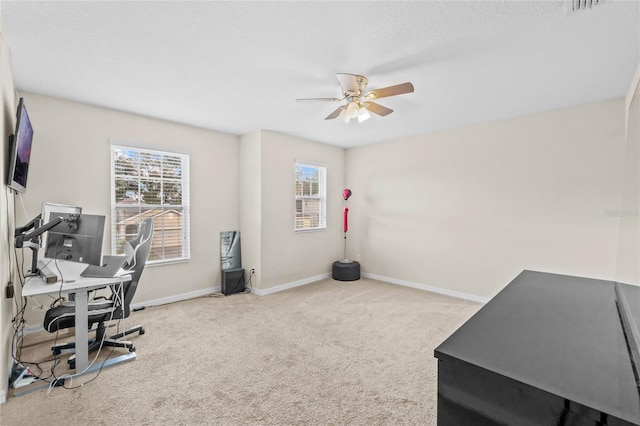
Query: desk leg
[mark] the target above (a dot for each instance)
(82, 334)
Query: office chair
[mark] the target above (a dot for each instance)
(116, 306)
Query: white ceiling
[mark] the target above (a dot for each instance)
(237, 67)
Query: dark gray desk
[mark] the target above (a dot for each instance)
(547, 350)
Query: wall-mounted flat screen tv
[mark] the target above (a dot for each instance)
(20, 154)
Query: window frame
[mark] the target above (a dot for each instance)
(184, 207)
(322, 196)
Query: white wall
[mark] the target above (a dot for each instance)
(250, 178)
(288, 256)
(468, 209)
(628, 266)
(7, 260)
(71, 165)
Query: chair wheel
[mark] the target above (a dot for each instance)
(72, 364)
(56, 351)
(132, 348)
(142, 331)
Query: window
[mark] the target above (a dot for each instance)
(311, 202)
(147, 183)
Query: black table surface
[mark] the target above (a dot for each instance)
(558, 333)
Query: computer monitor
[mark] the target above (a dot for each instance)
(50, 211)
(20, 150)
(79, 242)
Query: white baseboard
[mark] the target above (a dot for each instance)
(176, 298)
(293, 284)
(207, 291)
(30, 329)
(155, 302)
(439, 290)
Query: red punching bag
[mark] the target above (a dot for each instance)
(345, 194)
(346, 270)
(344, 219)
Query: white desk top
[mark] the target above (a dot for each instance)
(70, 272)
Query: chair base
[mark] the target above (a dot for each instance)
(101, 341)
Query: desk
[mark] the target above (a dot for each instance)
(548, 349)
(80, 286)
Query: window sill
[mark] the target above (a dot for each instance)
(152, 263)
(304, 231)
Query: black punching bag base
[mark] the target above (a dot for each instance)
(346, 271)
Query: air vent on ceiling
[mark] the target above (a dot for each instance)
(578, 5)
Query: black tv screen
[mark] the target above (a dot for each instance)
(20, 150)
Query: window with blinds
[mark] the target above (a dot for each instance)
(311, 203)
(150, 184)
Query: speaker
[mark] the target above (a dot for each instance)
(232, 281)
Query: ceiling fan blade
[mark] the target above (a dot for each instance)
(348, 82)
(319, 100)
(398, 89)
(335, 113)
(378, 109)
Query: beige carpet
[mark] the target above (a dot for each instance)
(326, 353)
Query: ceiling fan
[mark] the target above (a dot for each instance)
(359, 103)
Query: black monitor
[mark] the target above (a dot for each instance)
(79, 242)
(50, 211)
(20, 154)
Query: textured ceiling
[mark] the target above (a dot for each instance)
(237, 67)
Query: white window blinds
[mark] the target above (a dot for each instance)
(311, 203)
(150, 184)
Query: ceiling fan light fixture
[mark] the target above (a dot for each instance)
(352, 109)
(359, 104)
(344, 116)
(363, 115)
